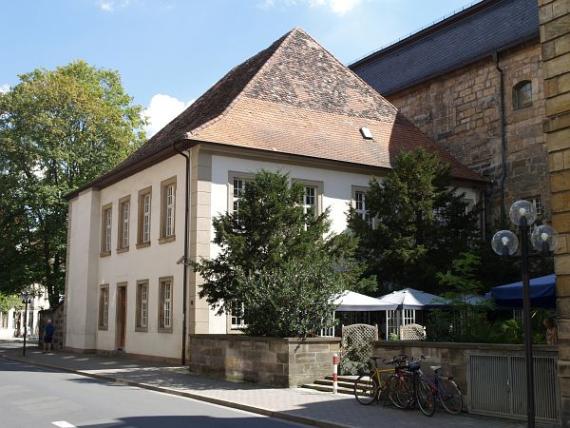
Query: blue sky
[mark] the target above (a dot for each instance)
(170, 51)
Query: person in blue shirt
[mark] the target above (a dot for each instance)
(49, 330)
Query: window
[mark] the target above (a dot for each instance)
(167, 232)
(237, 320)
(536, 201)
(4, 319)
(104, 307)
(145, 198)
(106, 230)
(165, 305)
(236, 187)
(124, 213)
(142, 306)
(310, 200)
(359, 204)
(522, 95)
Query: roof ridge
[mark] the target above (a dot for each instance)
(283, 38)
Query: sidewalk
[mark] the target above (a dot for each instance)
(298, 405)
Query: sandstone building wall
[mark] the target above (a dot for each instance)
(461, 110)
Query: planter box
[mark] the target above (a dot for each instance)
(282, 362)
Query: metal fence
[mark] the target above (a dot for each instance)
(497, 386)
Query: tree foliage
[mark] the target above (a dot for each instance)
(420, 223)
(9, 301)
(281, 263)
(59, 129)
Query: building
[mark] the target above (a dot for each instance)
(473, 82)
(12, 321)
(555, 39)
(292, 107)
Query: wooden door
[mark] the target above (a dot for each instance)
(121, 317)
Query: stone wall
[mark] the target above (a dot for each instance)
(461, 111)
(555, 39)
(57, 316)
(283, 362)
(453, 357)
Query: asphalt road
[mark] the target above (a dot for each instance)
(32, 397)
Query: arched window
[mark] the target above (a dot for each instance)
(522, 94)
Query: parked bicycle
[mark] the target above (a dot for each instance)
(369, 387)
(405, 385)
(446, 391)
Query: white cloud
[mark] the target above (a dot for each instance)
(111, 5)
(338, 7)
(161, 110)
(4, 88)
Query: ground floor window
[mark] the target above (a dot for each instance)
(165, 305)
(142, 306)
(237, 319)
(104, 307)
(4, 319)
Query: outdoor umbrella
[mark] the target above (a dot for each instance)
(349, 301)
(542, 293)
(410, 298)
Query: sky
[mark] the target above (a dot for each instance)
(169, 52)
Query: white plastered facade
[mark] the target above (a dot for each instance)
(88, 270)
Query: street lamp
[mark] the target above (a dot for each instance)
(26, 300)
(505, 243)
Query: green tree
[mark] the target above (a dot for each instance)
(420, 223)
(59, 129)
(9, 301)
(277, 264)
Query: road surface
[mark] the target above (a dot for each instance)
(32, 397)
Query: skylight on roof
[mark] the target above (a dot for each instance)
(366, 133)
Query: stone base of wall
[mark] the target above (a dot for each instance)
(282, 362)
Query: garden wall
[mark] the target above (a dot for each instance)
(283, 362)
(453, 357)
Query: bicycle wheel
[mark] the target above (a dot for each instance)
(425, 396)
(366, 389)
(450, 396)
(400, 391)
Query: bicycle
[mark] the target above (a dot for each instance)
(369, 387)
(447, 392)
(414, 389)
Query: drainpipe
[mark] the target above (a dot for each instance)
(503, 134)
(185, 257)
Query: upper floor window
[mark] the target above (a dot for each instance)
(168, 209)
(310, 200)
(106, 224)
(359, 204)
(237, 321)
(124, 215)
(536, 201)
(145, 198)
(522, 94)
(236, 188)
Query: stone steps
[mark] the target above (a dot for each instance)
(345, 384)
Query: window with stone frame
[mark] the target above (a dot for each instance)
(144, 217)
(311, 200)
(165, 305)
(142, 306)
(236, 186)
(168, 210)
(106, 228)
(123, 226)
(522, 94)
(103, 322)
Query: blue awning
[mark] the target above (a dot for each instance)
(542, 293)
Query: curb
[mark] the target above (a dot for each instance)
(225, 403)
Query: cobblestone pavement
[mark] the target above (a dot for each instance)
(301, 405)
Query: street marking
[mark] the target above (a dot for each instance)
(63, 424)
